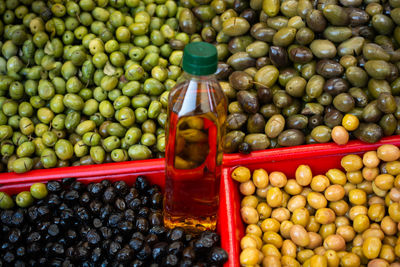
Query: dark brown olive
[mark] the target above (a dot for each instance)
(364, 31)
(388, 124)
(315, 121)
(232, 140)
(235, 121)
(293, 109)
(264, 94)
(250, 15)
(262, 32)
(248, 101)
(368, 132)
(263, 61)
(359, 96)
(240, 80)
(239, 44)
(278, 56)
(343, 102)
(297, 121)
(223, 71)
(316, 21)
(329, 68)
(333, 118)
(357, 16)
(312, 109)
(281, 99)
(371, 112)
(291, 137)
(386, 103)
(269, 110)
(300, 55)
(256, 123)
(335, 86)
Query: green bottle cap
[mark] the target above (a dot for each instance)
(200, 58)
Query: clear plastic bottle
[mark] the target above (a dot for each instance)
(196, 124)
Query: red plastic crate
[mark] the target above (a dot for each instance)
(320, 157)
(13, 183)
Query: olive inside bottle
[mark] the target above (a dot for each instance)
(196, 124)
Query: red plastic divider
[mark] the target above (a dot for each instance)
(320, 157)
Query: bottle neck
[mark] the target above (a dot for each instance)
(187, 76)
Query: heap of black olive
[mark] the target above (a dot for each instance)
(101, 224)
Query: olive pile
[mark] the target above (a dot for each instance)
(85, 82)
(343, 218)
(293, 69)
(101, 224)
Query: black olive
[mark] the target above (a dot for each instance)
(125, 254)
(175, 248)
(171, 260)
(105, 211)
(67, 181)
(33, 248)
(95, 207)
(176, 234)
(8, 257)
(96, 254)
(137, 263)
(18, 217)
(14, 235)
(218, 255)
(138, 235)
(53, 200)
(85, 199)
(106, 183)
(20, 252)
(121, 187)
(71, 195)
(186, 263)
(81, 253)
(159, 230)
(93, 237)
(57, 249)
(125, 226)
(120, 204)
(144, 212)
(141, 183)
(133, 193)
(114, 219)
(146, 201)
(159, 251)
(114, 248)
(109, 195)
(97, 223)
(144, 253)
(156, 218)
(53, 230)
(154, 189)
(244, 148)
(129, 215)
(66, 216)
(78, 186)
(95, 189)
(83, 214)
(54, 186)
(33, 237)
(156, 200)
(151, 239)
(135, 204)
(142, 225)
